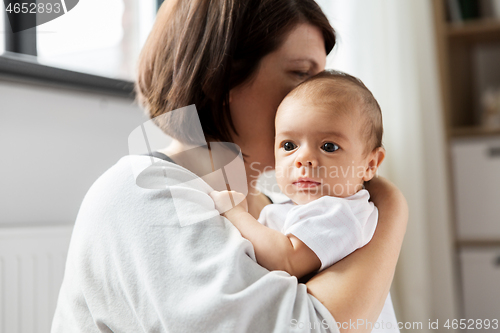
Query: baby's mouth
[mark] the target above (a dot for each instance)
(304, 182)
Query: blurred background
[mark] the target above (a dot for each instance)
(66, 98)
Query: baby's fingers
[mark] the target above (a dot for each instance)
(222, 201)
(226, 200)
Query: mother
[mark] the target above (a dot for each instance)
(235, 60)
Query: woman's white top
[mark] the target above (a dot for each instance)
(132, 266)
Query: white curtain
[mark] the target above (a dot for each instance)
(390, 46)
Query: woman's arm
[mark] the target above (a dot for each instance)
(273, 250)
(356, 287)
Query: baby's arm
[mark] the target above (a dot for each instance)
(273, 250)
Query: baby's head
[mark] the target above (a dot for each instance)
(328, 138)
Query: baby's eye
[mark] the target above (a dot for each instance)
(289, 146)
(330, 147)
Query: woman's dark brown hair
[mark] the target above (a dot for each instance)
(198, 50)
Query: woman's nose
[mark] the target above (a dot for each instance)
(306, 158)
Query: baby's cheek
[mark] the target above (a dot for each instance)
(283, 170)
(284, 186)
(337, 187)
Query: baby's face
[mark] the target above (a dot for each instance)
(318, 151)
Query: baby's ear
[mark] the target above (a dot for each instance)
(375, 158)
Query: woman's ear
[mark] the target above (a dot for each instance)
(375, 158)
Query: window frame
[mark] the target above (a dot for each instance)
(24, 70)
(19, 63)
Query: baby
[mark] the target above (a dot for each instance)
(328, 143)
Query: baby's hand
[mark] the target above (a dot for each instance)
(226, 201)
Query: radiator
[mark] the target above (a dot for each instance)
(32, 263)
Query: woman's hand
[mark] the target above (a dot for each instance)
(356, 287)
(380, 187)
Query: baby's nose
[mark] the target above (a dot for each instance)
(306, 158)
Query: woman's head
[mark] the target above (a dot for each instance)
(201, 50)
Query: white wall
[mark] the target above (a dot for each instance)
(54, 144)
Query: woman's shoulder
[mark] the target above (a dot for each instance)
(138, 189)
(136, 173)
(118, 213)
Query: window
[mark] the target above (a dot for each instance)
(98, 37)
(2, 29)
(95, 43)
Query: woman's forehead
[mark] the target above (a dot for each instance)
(305, 43)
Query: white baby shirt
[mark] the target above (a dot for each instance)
(331, 227)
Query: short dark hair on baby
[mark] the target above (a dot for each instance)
(345, 93)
